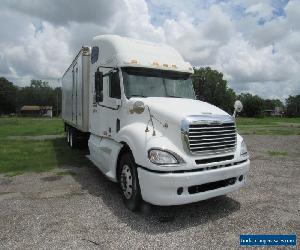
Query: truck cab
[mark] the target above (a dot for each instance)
(146, 130)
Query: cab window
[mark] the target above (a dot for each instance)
(94, 55)
(114, 85)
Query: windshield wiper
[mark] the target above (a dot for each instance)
(174, 96)
(137, 96)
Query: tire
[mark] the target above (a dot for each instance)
(129, 182)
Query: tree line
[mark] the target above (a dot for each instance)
(209, 86)
(38, 93)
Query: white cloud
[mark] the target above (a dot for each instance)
(270, 33)
(40, 38)
(261, 9)
(38, 55)
(62, 12)
(292, 10)
(200, 42)
(246, 63)
(133, 20)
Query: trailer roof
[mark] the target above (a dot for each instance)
(123, 52)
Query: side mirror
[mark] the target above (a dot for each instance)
(138, 107)
(238, 107)
(99, 86)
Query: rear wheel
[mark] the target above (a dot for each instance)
(129, 182)
(72, 138)
(68, 135)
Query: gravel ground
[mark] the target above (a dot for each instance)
(85, 211)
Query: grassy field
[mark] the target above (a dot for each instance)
(25, 147)
(30, 126)
(269, 126)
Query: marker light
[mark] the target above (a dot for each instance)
(134, 61)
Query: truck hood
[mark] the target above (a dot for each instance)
(176, 109)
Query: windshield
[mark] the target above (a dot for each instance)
(144, 82)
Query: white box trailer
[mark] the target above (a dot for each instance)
(75, 91)
(134, 102)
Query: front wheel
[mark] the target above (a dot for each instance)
(129, 182)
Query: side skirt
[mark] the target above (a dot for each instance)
(104, 154)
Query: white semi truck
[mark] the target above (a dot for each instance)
(134, 102)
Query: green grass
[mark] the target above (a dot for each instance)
(30, 126)
(19, 156)
(269, 126)
(22, 155)
(267, 120)
(277, 153)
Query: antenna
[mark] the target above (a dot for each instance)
(151, 117)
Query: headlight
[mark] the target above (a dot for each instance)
(162, 157)
(244, 150)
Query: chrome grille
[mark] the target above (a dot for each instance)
(212, 137)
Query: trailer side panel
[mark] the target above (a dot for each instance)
(75, 89)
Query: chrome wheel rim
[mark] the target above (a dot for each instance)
(126, 182)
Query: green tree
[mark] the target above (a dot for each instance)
(58, 98)
(36, 94)
(210, 86)
(8, 94)
(253, 105)
(293, 105)
(271, 104)
(41, 94)
(39, 84)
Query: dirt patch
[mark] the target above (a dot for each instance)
(51, 178)
(5, 181)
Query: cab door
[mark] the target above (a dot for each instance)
(112, 102)
(105, 117)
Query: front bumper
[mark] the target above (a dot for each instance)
(161, 188)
